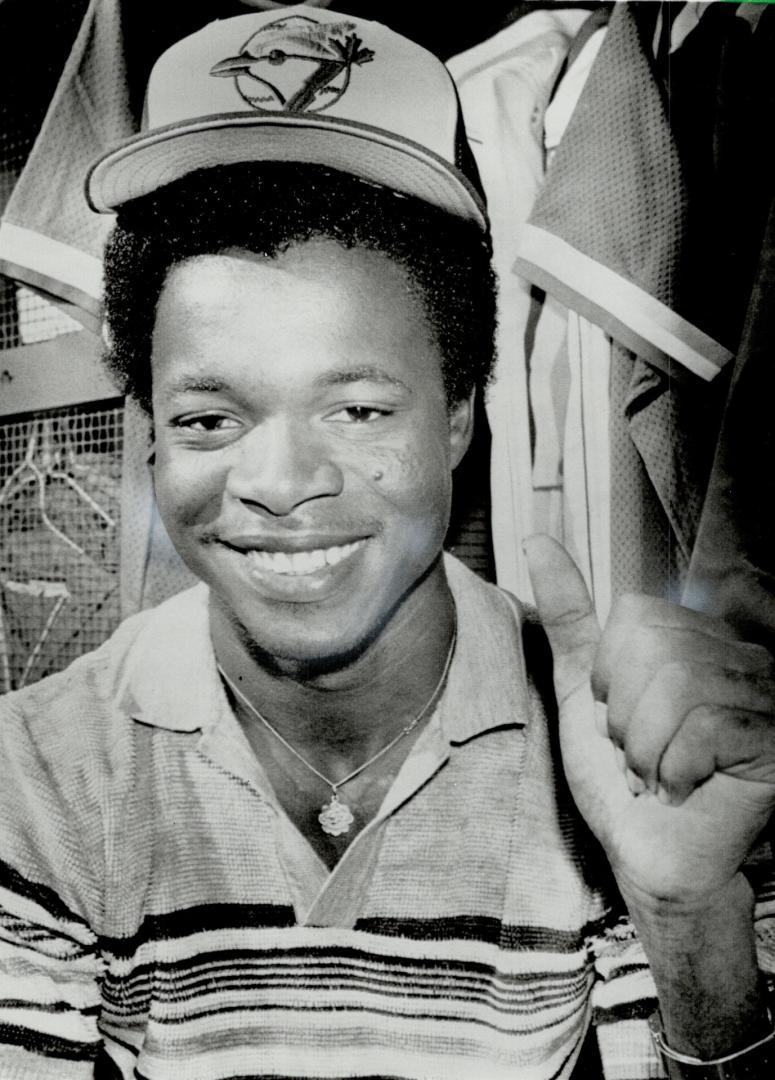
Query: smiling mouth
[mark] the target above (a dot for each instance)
(300, 563)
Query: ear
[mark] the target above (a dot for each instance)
(461, 428)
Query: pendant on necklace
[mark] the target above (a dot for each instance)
(335, 817)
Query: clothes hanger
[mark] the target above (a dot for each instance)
(42, 465)
(29, 472)
(38, 590)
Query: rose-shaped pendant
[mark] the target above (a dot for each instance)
(335, 817)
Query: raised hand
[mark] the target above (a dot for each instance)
(678, 780)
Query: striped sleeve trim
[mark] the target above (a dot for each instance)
(48, 1044)
(16, 888)
(625, 989)
(628, 1051)
(30, 926)
(52, 1006)
(49, 264)
(16, 1063)
(626, 312)
(48, 976)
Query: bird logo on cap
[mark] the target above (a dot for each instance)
(295, 64)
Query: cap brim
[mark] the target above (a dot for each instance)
(150, 161)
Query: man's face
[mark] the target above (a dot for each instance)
(304, 446)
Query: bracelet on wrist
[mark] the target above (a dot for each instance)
(754, 1062)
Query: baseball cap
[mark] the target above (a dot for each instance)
(302, 85)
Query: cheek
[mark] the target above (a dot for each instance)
(416, 469)
(188, 489)
(417, 483)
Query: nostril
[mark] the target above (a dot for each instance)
(280, 483)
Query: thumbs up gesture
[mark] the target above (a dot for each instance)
(667, 729)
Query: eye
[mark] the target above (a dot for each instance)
(360, 414)
(206, 422)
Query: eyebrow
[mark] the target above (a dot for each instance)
(196, 384)
(212, 384)
(364, 373)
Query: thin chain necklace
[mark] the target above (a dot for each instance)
(336, 817)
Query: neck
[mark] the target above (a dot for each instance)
(343, 713)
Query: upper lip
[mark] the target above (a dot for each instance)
(291, 544)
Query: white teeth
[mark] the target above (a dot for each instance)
(335, 555)
(282, 563)
(301, 562)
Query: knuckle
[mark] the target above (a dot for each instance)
(677, 673)
(680, 769)
(690, 757)
(701, 719)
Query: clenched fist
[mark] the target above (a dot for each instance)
(676, 776)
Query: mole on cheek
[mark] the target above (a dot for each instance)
(391, 465)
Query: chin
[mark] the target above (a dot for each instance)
(299, 634)
(316, 654)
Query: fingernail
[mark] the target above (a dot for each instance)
(621, 760)
(601, 718)
(634, 783)
(663, 796)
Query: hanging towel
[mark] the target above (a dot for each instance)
(504, 86)
(569, 360)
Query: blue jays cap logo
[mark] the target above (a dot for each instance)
(295, 64)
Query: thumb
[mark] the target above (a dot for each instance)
(569, 621)
(566, 612)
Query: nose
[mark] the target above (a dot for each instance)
(280, 465)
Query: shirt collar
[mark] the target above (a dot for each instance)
(170, 679)
(487, 685)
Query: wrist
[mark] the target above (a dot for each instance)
(703, 961)
(754, 1061)
(673, 927)
(681, 915)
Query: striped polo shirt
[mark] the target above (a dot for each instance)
(160, 913)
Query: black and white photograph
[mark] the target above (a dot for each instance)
(387, 540)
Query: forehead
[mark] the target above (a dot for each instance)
(313, 305)
(316, 271)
